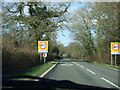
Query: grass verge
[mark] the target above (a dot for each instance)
(111, 66)
(39, 70)
(35, 71)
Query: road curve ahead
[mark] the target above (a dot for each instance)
(84, 73)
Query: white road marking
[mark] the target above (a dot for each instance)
(66, 64)
(82, 66)
(90, 71)
(48, 70)
(110, 83)
(76, 63)
(98, 75)
(114, 69)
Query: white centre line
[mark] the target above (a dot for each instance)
(90, 71)
(82, 66)
(76, 63)
(110, 83)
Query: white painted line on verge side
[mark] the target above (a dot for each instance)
(48, 70)
(114, 69)
(90, 71)
(110, 83)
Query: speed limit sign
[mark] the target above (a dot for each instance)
(43, 46)
(115, 48)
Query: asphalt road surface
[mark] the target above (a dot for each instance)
(84, 73)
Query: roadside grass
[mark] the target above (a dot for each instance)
(107, 65)
(111, 66)
(39, 70)
(35, 71)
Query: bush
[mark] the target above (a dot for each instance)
(15, 58)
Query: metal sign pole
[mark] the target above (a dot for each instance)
(111, 60)
(40, 57)
(44, 55)
(44, 59)
(115, 61)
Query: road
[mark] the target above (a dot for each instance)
(84, 73)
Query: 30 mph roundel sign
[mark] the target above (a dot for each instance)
(43, 46)
(115, 46)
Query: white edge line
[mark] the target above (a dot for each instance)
(90, 71)
(114, 69)
(48, 70)
(110, 83)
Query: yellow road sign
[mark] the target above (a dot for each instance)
(115, 47)
(42, 46)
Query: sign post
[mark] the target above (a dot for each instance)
(40, 57)
(42, 49)
(115, 61)
(115, 50)
(44, 55)
(111, 60)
